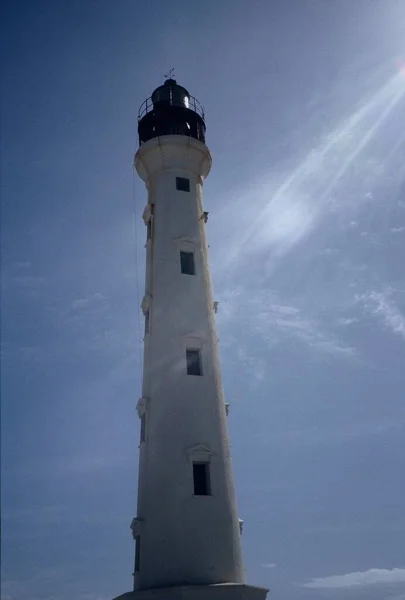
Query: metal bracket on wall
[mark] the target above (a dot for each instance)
(136, 527)
(141, 407)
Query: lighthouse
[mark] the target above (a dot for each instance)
(187, 530)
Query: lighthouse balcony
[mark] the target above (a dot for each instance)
(188, 102)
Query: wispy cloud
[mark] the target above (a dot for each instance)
(251, 362)
(381, 305)
(272, 322)
(358, 579)
(346, 321)
(268, 565)
(30, 282)
(287, 212)
(83, 303)
(24, 264)
(21, 352)
(290, 321)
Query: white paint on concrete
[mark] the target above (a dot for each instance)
(184, 539)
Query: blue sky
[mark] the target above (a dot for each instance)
(304, 105)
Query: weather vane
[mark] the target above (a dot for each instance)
(170, 74)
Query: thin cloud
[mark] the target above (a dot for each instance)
(342, 433)
(346, 321)
(30, 281)
(381, 305)
(85, 302)
(291, 322)
(272, 322)
(252, 363)
(28, 286)
(357, 579)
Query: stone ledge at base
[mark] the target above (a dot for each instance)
(220, 591)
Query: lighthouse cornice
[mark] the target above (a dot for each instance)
(172, 153)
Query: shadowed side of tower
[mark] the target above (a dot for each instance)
(187, 532)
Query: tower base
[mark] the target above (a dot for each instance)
(221, 591)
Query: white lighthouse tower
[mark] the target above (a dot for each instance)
(187, 531)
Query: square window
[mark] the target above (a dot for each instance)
(182, 184)
(201, 479)
(187, 263)
(193, 362)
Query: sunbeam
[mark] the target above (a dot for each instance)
(297, 205)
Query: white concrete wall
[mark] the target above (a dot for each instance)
(185, 539)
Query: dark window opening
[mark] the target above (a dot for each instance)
(201, 479)
(143, 427)
(149, 230)
(182, 184)
(137, 552)
(193, 362)
(147, 321)
(187, 263)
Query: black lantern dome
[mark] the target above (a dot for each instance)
(171, 111)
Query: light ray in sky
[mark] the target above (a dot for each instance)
(297, 204)
(396, 96)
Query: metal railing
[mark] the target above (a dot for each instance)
(193, 104)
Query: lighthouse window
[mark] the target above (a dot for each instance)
(137, 552)
(149, 230)
(146, 322)
(182, 184)
(143, 427)
(187, 263)
(201, 479)
(193, 362)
